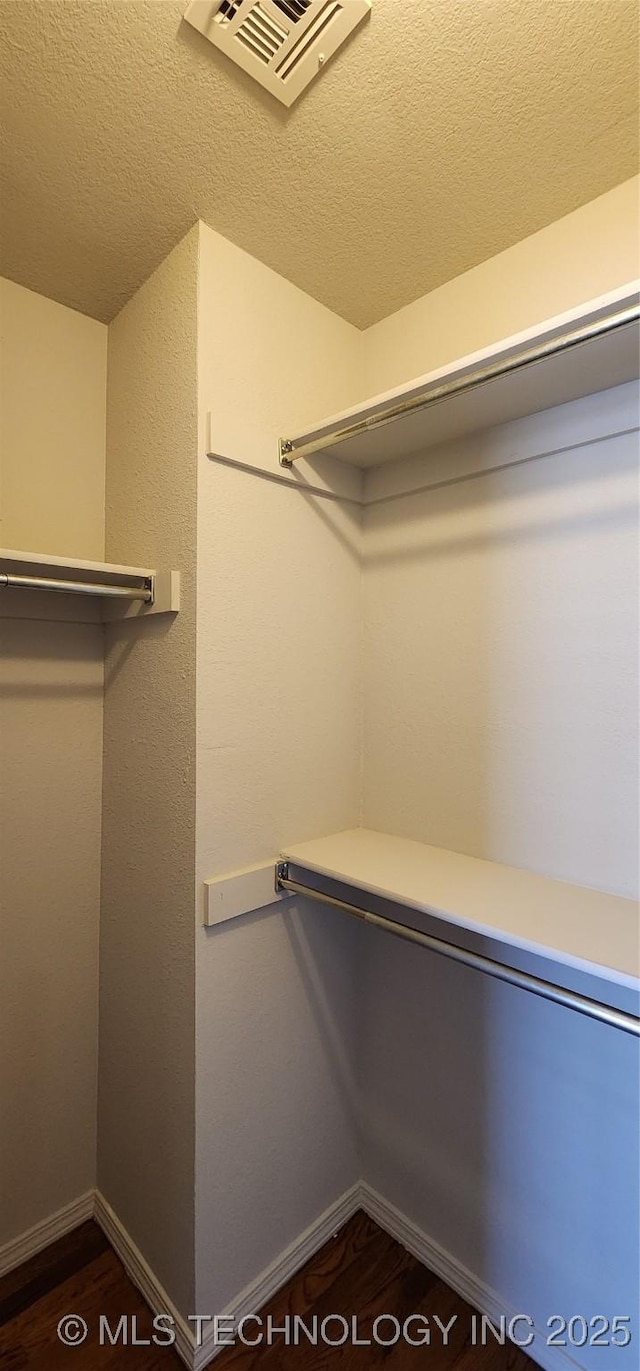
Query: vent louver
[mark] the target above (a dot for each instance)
(294, 9)
(227, 11)
(261, 35)
(283, 44)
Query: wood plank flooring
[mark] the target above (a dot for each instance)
(94, 1283)
(360, 1272)
(364, 1272)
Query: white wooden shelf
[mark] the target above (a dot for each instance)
(28, 578)
(568, 371)
(582, 929)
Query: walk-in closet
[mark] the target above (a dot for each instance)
(319, 778)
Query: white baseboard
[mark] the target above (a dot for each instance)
(361, 1196)
(262, 1289)
(20, 1249)
(463, 1281)
(281, 1270)
(143, 1277)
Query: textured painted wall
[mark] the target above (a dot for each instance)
(147, 1035)
(278, 757)
(499, 612)
(506, 1128)
(501, 676)
(479, 732)
(575, 259)
(501, 654)
(50, 796)
(52, 456)
(500, 715)
(53, 380)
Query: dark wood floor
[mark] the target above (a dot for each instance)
(81, 1275)
(361, 1271)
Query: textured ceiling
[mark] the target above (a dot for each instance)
(443, 132)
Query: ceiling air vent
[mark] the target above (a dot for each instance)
(283, 44)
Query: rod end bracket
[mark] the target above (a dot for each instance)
(282, 874)
(285, 449)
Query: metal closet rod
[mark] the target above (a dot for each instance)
(9, 581)
(593, 1009)
(290, 452)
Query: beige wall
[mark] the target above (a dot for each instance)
(574, 260)
(500, 612)
(50, 781)
(278, 758)
(52, 448)
(497, 678)
(147, 1035)
(52, 417)
(501, 649)
(501, 656)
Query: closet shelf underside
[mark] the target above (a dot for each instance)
(579, 928)
(487, 388)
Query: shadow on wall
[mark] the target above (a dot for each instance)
(507, 1129)
(501, 664)
(500, 709)
(50, 782)
(462, 515)
(319, 937)
(276, 1089)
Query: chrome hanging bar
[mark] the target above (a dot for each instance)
(592, 1009)
(11, 581)
(290, 451)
